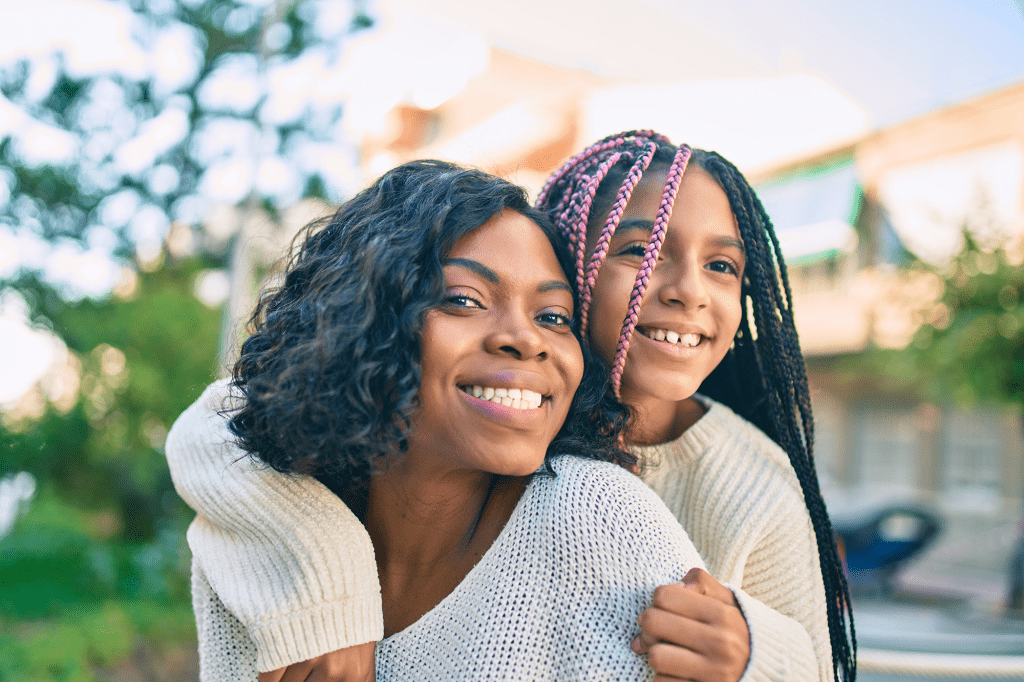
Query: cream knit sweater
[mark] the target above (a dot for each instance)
(286, 558)
(555, 597)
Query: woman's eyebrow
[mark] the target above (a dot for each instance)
(475, 267)
(554, 285)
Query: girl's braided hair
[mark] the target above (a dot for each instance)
(763, 377)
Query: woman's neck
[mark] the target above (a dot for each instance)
(428, 531)
(657, 421)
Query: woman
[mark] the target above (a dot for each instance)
(379, 366)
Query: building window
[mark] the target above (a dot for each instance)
(972, 459)
(888, 451)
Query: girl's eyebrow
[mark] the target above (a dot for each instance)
(633, 225)
(645, 225)
(731, 241)
(492, 277)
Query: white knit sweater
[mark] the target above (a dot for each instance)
(555, 597)
(296, 568)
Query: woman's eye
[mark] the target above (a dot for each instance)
(554, 319)
(723, 266)
(462, 301)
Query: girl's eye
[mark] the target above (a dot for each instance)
(723, 266)
(635, 249)
(553, 319)
(462, 301)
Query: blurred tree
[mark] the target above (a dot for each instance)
(143, 357)
(214, 102)
(970, 346)
(118, 187)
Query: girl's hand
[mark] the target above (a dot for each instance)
(352, 664)
(694, 630)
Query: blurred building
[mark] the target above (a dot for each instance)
(844, 216)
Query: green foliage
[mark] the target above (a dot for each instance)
(105, 113)
(970, 347)
(97, 569)
(144, 360)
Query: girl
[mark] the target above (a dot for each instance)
(394, 326)
(678, 246)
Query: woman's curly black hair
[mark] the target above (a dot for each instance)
(330, 373)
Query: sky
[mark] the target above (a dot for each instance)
(896, 58)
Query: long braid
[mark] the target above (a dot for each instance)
(763, 378)
(787, 419)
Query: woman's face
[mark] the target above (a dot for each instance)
(691, 308)
(504, 328)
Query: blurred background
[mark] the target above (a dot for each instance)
(156, 156)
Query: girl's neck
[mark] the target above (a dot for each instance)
(657, 421)
(429, 532)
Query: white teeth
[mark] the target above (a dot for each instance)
(686, 340)
(516, 398)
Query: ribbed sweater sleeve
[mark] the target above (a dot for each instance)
(737, 496)
(282, 553)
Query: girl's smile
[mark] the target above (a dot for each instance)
(691, 309)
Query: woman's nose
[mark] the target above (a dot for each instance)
(517, 335)
(682, 284)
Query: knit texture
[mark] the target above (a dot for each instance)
(555, 597)
(735, 493)
(728, 484)
(292, 562)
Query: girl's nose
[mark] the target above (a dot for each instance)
(682, 284)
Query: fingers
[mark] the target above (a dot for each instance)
(700, 581)
(658, 625)
(700, 601)
(668, 661)
(694, 630)
(353, 664)
(271, 675)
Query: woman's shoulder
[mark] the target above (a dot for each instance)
(598, 504)
(589, 483)
(601, 518)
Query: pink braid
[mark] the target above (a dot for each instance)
(608, 231)
(675, 176)
(610, 142)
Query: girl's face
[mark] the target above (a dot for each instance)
(691, 309)
(504, 329)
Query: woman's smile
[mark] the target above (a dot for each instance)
(500, 362)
